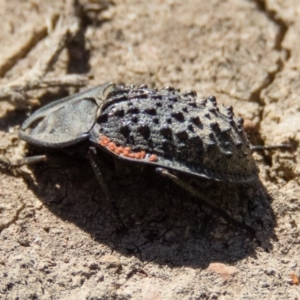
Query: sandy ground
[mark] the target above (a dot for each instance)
(58, 237)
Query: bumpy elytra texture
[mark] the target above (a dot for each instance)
(177, 131)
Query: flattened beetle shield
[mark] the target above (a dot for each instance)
(64, 122)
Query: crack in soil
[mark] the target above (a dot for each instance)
(274, 18)
(14, 218)
(282, 26)
(282, 30)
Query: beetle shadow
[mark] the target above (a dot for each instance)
(165, 224)
(10, 119)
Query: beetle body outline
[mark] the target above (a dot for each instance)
(79, 117)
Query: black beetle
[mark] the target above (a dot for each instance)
(175, 132)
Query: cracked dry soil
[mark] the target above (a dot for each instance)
(58, 238)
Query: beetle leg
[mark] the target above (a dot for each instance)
(196, 193)
(102, 182)
(270, 147)
(6, 164)
(98, 174)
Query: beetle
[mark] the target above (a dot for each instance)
(176, 133)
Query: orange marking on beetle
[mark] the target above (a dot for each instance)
(111, 146)
(104, 140)
(125, 153)
(119, 150)
(138, 155)
(143, 154)
(153, 158)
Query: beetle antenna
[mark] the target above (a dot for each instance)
(271, 147)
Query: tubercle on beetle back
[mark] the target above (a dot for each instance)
(125, 151)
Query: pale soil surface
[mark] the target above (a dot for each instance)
(57, 235)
